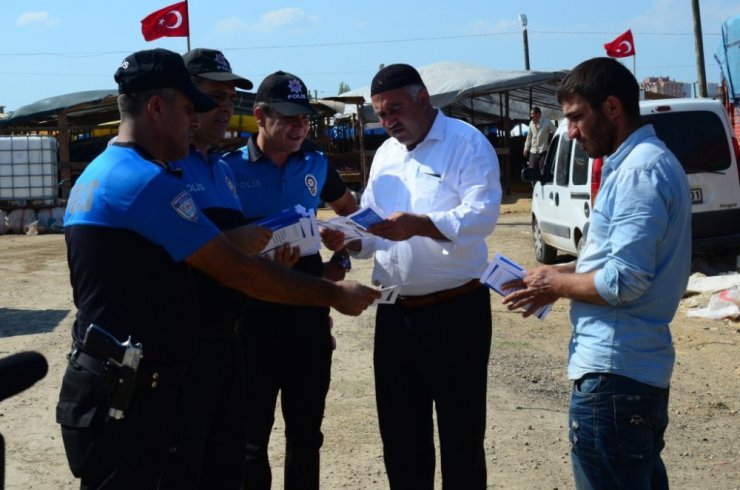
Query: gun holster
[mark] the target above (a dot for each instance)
(115, 364)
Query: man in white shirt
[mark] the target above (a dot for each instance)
(539, 135)
(436, 184)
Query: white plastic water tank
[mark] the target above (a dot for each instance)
(28, 167)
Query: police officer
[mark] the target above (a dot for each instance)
(288, 349)
(131, 229)
(209, 450)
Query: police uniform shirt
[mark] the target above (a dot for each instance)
(265, 189)
(129, 224)
(307, 178)
(209, 180)
(211, 184)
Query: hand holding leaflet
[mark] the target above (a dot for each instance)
(502, 270)
(354, 226)
(296, 226)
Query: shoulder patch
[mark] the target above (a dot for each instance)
(311, 183)
(185, 206)
(231, 186)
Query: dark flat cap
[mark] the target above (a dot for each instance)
(394, 76)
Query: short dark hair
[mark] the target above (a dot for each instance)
(598, 78)
(131, 105)
(536, 110)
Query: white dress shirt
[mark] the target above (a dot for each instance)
(452, 176)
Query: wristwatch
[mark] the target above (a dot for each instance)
(342, 259)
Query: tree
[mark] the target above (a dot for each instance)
(343, 87)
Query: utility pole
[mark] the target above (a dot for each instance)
(699, 47)
(523, 20)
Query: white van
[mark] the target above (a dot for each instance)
(697, 131)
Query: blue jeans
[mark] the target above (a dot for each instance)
(616, 433)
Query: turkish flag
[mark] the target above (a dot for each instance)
(622, 46)
(170, 21)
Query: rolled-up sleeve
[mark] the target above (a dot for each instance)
(639, 218)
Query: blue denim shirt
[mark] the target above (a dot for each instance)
(639, 242)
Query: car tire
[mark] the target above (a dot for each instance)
(543, 252)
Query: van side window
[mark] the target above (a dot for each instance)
(580, 166)
(697, 138)
(564, 152)
(550, 159)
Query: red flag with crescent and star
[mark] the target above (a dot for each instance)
(170, 21)
(622, 46)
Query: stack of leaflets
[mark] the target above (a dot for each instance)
(296, 226)
(355, 225)
(502, 270)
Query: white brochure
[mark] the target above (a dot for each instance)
(388, 295)
(502, 270)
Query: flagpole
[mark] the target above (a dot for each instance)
(634, 65)
(187, 9)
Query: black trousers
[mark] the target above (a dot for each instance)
(287, 350)
(209, 448)
(427, 358)
(105, 453)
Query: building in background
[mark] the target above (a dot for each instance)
(674, 88)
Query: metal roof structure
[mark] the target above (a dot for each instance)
(482, 95)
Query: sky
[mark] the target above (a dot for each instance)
(52, 47)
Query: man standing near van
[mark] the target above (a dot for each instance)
(539, 135)
(624, 288)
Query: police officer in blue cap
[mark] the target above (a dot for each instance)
(132, 229)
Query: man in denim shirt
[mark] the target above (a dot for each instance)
(624, 288)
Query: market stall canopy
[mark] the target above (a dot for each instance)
(476, 93)
(90, 107)
(86, 109)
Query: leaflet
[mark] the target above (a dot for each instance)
(388, 295)
(502, 270)
(365, 217)
(355, 225)
(297, 227)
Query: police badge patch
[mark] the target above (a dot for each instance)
(185, 206)
(231, 186)
(310, 181)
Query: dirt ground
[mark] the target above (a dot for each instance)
(526, 440)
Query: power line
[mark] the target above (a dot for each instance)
(92, 54)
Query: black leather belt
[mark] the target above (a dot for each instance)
(146, 377)
(439, 296)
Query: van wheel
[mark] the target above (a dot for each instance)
(542, 251)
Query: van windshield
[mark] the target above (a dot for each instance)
(697, 138)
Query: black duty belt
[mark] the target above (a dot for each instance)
(439, 296)
(147, 377)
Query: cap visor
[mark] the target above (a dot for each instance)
(293, 109)
(240, 82)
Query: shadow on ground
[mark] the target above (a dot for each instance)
(14, 321)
